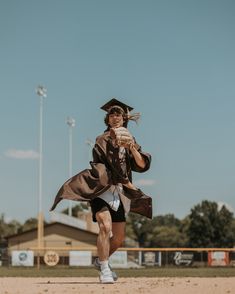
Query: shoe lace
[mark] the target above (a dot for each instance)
(107, 272)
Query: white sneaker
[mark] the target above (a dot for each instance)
(106, 276)
(98, 267)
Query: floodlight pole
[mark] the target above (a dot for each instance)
(71, 123)
(90, 144)
(42, 93)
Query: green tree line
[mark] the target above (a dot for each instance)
(207, 225)
(14, 227)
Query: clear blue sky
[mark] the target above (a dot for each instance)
(171, 60)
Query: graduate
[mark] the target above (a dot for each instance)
(107, 185)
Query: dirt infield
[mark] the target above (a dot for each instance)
(123, 285)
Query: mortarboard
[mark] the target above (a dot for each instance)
(114, 102)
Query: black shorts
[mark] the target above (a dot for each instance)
(117, 216)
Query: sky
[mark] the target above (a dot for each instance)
(172, 60)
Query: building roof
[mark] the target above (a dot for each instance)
(49, 226)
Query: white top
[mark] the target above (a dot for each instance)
(114, 195)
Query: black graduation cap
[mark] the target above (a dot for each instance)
(114, 102)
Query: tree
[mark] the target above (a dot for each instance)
(168, 231)
(139, 228)
(77, 208)
(166, 236)
(210, 226)
(167, 220)
(161, 231)
(233, 229)
(2, 226)
(29, 224)
(8, 228)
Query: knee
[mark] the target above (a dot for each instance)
(105, 228)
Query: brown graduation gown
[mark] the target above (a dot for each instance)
(105, 171)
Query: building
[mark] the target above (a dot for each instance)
(62, 235)
(56, 235)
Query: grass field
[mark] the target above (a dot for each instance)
(61, 271)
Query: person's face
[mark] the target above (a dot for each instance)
(115, 120)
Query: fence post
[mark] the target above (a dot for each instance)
(140, 257)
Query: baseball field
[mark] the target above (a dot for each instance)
(173, 280)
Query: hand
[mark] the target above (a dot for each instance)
(121, 136)
(132, 147)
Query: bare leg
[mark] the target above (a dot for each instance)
(103, 245)
(106, 245)
(118, 230)
(103, 241)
